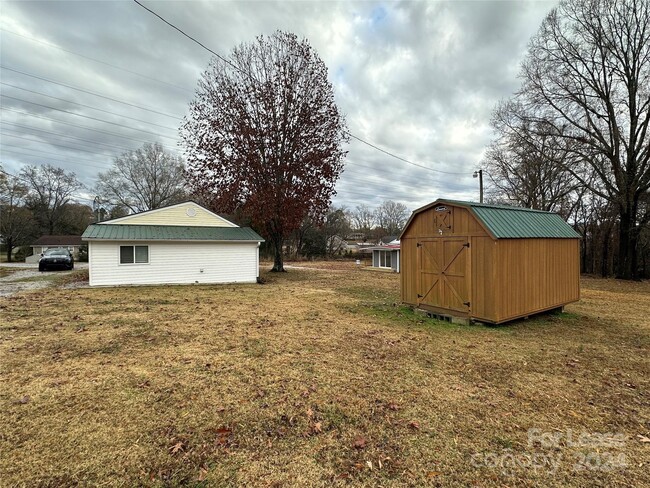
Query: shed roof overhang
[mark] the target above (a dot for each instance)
(505, 222)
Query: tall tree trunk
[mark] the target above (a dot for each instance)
(278, 259)
(604, 264)
(10, 247)
(626, 245)
(583, 250)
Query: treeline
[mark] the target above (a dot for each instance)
(39, 202)
(329, 236)
(575, 138)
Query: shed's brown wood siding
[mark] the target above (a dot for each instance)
(408, 259)
(535, 275)
(508, 278)
(484, 289)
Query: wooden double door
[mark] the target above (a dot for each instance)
(443, 273)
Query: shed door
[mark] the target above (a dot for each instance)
(443, 273)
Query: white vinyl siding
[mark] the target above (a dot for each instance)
(174, 263)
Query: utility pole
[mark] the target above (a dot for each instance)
(479, 174)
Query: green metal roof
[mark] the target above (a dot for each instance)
(505, 222)
(117, 232)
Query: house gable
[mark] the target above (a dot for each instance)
(187, 214)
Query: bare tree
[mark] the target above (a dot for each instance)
(587, 75)
(264, 136)
(363, 218)
(16, 221)
(335, 227)
(49, 191)
(144, 179)
(392, 216)
(526, 164)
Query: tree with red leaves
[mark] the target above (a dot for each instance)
(264, 136)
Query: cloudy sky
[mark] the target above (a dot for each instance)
(82, 82)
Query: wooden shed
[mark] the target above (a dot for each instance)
(490, 263)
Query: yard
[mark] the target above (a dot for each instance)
(319, 378)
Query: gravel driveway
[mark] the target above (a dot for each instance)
(28, 277)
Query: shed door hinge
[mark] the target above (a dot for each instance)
(466, 303)
(419, 245)
(466, 245)
(420, 296)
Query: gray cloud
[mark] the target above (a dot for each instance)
(418, 79)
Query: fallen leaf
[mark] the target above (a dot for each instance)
(414, 425)
(643, 438)
(25, 399)
(433, 474)
(176, 447)
(223, 435)
(359, 443)
(392, 406)
(81, 329)
(310, 413)
(317, 428)
(369, 464)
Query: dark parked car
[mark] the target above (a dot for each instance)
(57, 258)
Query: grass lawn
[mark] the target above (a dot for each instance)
(319, 378)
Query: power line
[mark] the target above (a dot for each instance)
(50, 143)
(48, 155)
(97, 60)
(250, 76)
(89, 92)
(401, 158)
(88, 106)
(85, 116)
(191, 38)
(84, 127)
(66, 135)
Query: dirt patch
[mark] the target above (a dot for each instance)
(314, 379)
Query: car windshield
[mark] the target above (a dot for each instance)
(56, 252)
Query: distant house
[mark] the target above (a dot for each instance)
(387, 256)
(43, 243)
(182, 243)
(387, 240)
(356, 236)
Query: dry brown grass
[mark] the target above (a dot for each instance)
(315, 378)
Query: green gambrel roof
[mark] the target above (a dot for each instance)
(505, 222)
(116, 232)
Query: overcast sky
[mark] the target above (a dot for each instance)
(418, 79)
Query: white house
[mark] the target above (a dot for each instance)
(183, 243)
(387, 256)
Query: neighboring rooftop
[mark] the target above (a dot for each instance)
(117, 232)
(58, 241)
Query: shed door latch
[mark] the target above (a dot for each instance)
(466, 245)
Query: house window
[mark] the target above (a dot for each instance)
(134, 254)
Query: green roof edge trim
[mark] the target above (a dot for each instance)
(506, 222)
(127, 232)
